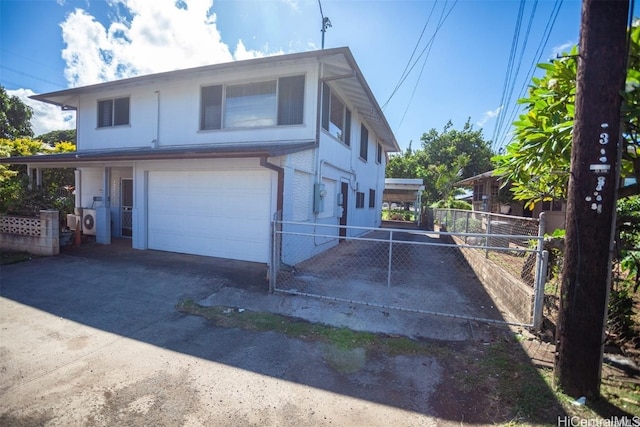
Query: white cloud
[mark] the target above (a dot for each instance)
(488, 115)
(559, 50)
(46, 117)
(149, 37)
(144, 37)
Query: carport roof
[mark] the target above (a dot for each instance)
(211, 151)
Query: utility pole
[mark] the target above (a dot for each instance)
(591, 199)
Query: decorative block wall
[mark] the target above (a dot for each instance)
(38, 236)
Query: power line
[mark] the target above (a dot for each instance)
(553, 16)
(22, 73)
(508, 73)
(441, 21)
(517, 68)
(404, 74)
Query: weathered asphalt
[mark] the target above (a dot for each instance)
(92, 337)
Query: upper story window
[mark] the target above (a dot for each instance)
(364, 143)
(336, 118)
(113, 112)
(269, 103)
(478, 192)
(379, 154)
(552, 205)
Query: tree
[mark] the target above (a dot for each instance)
(16, 196)
(57, 136)
(443, 159)
(15, 117)
(537, 162)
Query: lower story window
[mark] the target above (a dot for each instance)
(359, 200)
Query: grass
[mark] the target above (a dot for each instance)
(14, 257)
(342, 338)
(497, 377)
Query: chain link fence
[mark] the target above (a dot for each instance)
(508, 233)
(413, 270)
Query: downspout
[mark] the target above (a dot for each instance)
(279, 198)
(276, 244)
(156, 142)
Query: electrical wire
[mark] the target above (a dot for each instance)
(404, 74)
(500, 140)
(508, 73)
(441, 21)
(521, 56)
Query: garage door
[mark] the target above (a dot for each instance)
(215, 213)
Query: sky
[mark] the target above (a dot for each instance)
(427, 62)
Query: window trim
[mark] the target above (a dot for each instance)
(278, 108)
(325, 117)
(113, 115)
(364, 143)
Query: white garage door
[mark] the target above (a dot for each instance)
(215, 213)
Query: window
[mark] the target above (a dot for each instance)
(379, 154)
(250, 105)
(359, 200)
(336, 118)
(266, 103)
(478, 192)
(113, 112)
(364, 142)
(290, 100)
(211, 109)
(552, 205)
(372, 198)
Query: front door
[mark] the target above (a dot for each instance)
(126, 207)
(344, 190)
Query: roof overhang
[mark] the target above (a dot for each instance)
(214, 151)
(401, 189)
(474, 179)
(343, 71)
(338, 64)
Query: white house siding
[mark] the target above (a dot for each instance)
(92, 186)
(177, 120)
(334, 164)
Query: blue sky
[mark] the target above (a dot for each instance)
(48, 45)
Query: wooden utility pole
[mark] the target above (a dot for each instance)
(591, 197)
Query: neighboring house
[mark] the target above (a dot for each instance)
(200, 161)
(488, 197)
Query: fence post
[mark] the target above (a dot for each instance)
(486, 241)
(466, 226)
(538, 303)
(542, 257)
(390, 255)
(275, 264)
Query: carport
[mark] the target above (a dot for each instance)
(404, 190)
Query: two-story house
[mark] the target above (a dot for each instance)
(200, 161)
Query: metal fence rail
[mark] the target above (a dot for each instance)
(411, 270)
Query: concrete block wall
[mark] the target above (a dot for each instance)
(37, 236)
(508, 293)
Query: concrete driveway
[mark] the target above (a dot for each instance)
(92, 338)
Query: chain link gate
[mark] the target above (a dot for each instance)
(456, 275)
